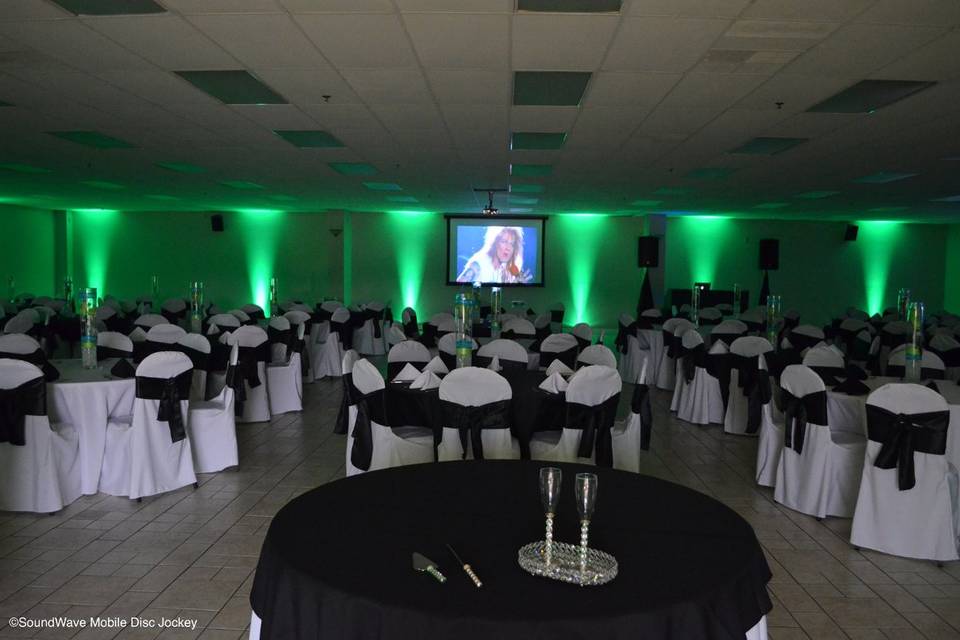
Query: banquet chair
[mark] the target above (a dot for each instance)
(368, 337)
(728, 331)
(321, 325)
(347, 414)
(931, 366)
(819, 469)
(671, 331)
(447, 350)
(20, 323)
(174, 310)
(892, 334)
(20, 346)
(298, 315)
(805, 336)
(857, 314)
(652, 313)
(507, 317)
(948, 348)
(408, 318)
(149, 320)
(907, 504)
(631, 358)
(438, 324)
(242, 316)
(557, 311)
(559, 346)
(152, 454)
(161, 336)
(374, 445)
(221, 321)
(285, 378)
(511, 355)
(541, 327)
(583, 333)
(597, 354)
(826, 363)
(110, 318)
(111, 344)
(847, 332)
(518, 328)
(39, 462)
(696, 396)
(632, 436)
(212, 426)
(408, 351)
(197, 348)
(754, 318)
(254, 312)
(327, 356)
(710, 316)
(395, 335)
(748, 402)
(592, 397)
(252, 399)
(475, 410)
(279, 335)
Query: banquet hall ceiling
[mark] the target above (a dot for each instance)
(413, 104)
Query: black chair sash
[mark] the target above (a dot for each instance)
(846, 336)
(859, 350)
(710, 321)
(248, 371)
(429, 336)
(371, 407)
(926, 373)
(393, 368)
(797, 412)
(903, 434)
(777, 361)
(283, 337)
(142, 349)
(374, 316)
(567, 357)
(411, 328)
(38, 358)
(28, 399)
(802, 341)
(255, 316)
(105, 353)
(169, 391)
(219, 356)
(951, 357)
(892, 340)
(507, 365)
(556, 315)
(595, 421)
(752, 326)
(342, 329)
(829, 375)
(471, 421)
(754, 383)
(640, 405)
(719, 365)
(791, 323)
(671, 343)
(623, 331)
(347, 398)
(200, 360)
(692, 358)
(450, 360)
(541, 334)
(583, 343)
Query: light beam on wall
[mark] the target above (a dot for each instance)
(704, 240)
(877, 240)
(94, 237)
(261, 235)
(410, 231)
(581, 235)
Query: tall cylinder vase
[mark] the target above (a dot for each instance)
(463, 316)
(736, 300)
(88, 327)
(913, 355)
(196, 306)
(695, 305)
(496, 300)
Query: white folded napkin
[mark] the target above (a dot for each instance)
(495, 364)
(554, 383)
(436, 365)
(557, 366)
(225, 337)
(426, 380)
(407, 374)
(138, 335)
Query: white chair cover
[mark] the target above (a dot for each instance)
(916, 522)
(327, 356)
(256, 407)
(251, 310)
(365, 340)
(698, 401)
(141, 458)
(148, 320)
(285, 379)
(388, 449)
(597, 354)
(165, 333)
(475, 387)
(929, 361)
(410, 351)
(299, 314)
(395, 335)
(350, 358)
(224, 321)
(628, 437)
(521, 328)
(823, 478)
(667, 369)
(20, 323)
(562, 346)
(240, 315)
(43, 474)
(726, 330)
(583, 333)
(651, 313)
(736, 417)
(212, 427)
(196, 343)
(505, 350)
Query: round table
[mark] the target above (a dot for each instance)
(336, 562)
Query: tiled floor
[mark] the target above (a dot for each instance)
(191, 553)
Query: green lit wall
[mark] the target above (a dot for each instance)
(951, 294)
(819, 273)
(27, 250)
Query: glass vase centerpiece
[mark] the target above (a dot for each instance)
(88, 327)
(196, 306)
(774, 317)
(736, 300)
(913, 353)
(274, 300)
(476, 290)
(903, 303)
(573, 563)
(463, 328)
(496, 300)
(695, 305)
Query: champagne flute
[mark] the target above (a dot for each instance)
(586, 492)
(550, 478)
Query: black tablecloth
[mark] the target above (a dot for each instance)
(336, 562)
(531, 409)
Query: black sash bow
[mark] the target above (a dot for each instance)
(248, 371)
(393, 368)
(640, 405)
(347, 398)
(342, 329)
(797, 412)
(903, 434)
(507, 365)
(169, 391)
(671, 343)
(38, 358)
(692, 358)
(567, 357)
(29, 399)
(471, 421)
(200, 360)
(755, 385)
(374, 316)
(623, 331)
(105, 353)
(370, 408)
(596, 422)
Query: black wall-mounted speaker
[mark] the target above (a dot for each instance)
(216, 222)
(850, 235)
(769, 254)
(648, 252)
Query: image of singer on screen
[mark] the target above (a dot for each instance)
(500, 259)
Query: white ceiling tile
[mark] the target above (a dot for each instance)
(401, 117)
(543, 119)
(308, 85)
(223, 6)
(812, 125)
(478, 139)
(359, 40)
(74, 43)
(616, 89)
(165, 40)
(373, 137)
(796, 92)
(337, 6)
(686, 8)
(160, 87)
(822, 10)
(681, 121)
(554, 42)
(255, 39)
(464, 40)
(717, 90)
(476, 116)
(471, 86)
(340, 116)
(938, 60)
(929, 12)
(663, 45)
(276, 116)
(14, 10)
(472, 6)
(389, 86)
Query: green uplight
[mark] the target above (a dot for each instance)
(94, 234)
(704, 239)
(878, 238)
(261, 235)
(582, 236)
(411, 231)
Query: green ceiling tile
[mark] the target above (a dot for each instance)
(103, 184)
(242, 185)
(816, 195)
(764, 146)
(353, 168)
(181, 167)
(110, 7)
(867, 96)
(884, 177)
(531, 170)
(570, 6)
(309, 139)
(232, 87)
(536, 140)
(92, 139)
(160, 196)
(527, 201)
(23, 168)
(407, 199)
(382, 186)
(526, 188)
(549, 88)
